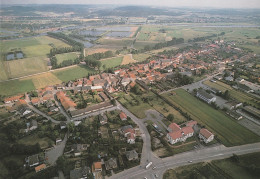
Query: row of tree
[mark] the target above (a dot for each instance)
(98, 56)
(54, 62)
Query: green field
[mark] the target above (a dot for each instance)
(14, 87)
(112, 62)
(66, 56)
(228, 131)
(238, 95)
(35, 50)
(73, 73)
(27, 66)
(247, 166)
(140, 57)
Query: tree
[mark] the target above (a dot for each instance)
(226, 95)
(170, 117)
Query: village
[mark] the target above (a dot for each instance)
(90, 132)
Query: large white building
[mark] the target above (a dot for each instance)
(177, 134)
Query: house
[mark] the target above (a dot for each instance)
(23, 110)
(229, 78)
(180, 135)
(40, 168)
(78, 148)
(63, 125)
(103, 119)
(232, 105)
(123, 116)
(130, 138)
(96, 167)
(33, 160)
(54, 109)
(12, 99)
(191, 123)
(173, 127)
(202, 94)
(36, 101)
(129, 133)
(80, 173)
(131, 155)
(33, 125)
(111, 164)
(205, 135)
(239, 80)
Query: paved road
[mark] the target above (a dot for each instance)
(211, 153)
(56, 151)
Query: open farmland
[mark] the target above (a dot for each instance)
(43, 80)
(66, 56)
(27, 66)
(140, 57)
(95, 50)
(238, 95)
(128, 59)
(112, 62)
(228, 131)
(13, 87)
(72, 73)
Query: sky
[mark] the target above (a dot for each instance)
(172, 3)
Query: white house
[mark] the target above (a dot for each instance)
(206, 136)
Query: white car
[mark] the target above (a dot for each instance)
(156, 175)
(154, 168)
(190, 161)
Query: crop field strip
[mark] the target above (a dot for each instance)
(228, 131)
(128, 59)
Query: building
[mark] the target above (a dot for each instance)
(111, 164)
(63, 125)
(129, 133)
(123, 116)
(180, 135)
(202, 94)
(78, 148)
(96, 167)
(206, 136)
(23, 110)
(173, 127)
(33, 125)
(80, 173)
(40, 168)
(33, 160)
(131, 155)
(232, 105)
(103, 119)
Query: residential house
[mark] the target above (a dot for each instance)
(97, 169)
(80, 173)
(131, 155)
(36, 101)
(103, 119)
(63, 125)
(12, 99)
(173, 127)
(205, 135)
(229, 78)
(33, 160)
(78, 148)
(191, 123)
(23, 110)
(202, 94)
(123, 116)
(54, 109)
(129, 133)
(111, 164)
(33, 125)
(40, 168)
(66, 102)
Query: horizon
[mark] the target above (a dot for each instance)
(196, 4)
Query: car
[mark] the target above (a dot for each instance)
(154, 167)
(190, 161)
(145, 177)
(156, 175)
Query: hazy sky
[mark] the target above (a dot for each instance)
(172, 3)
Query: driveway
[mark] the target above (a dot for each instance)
(157, 118)
(57, 151)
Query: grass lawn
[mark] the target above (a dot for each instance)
(73, 73)
(27, 66)
(227, 130)
(112, 62)
(14, 87)
(156, 103)
(127, 59)
(34, 139)
(4, 114)
(218, 168)
(66, 56)
(3, 75)
(238, 95)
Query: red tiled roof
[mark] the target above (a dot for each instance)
(40, 167)
(175, 135)
(191, 123)
(123, 115)
(12, 98)
(187, 130)
(205, 133)
(97, 165)
(174, 127)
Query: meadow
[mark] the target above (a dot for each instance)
(228, 131)
(66, 56)
(112, 62)
(128, 59)
(14, 87)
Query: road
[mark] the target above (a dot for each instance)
(211, 153)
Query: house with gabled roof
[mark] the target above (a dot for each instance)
(206, 136)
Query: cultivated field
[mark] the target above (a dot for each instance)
(128, 59)
(140, 57)
(238, 95)
(66, 56)
(97, 50)
(43, 80)
(228, 131)
(27, 66)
